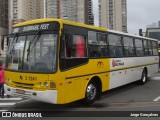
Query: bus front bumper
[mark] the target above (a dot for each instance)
(48, 96)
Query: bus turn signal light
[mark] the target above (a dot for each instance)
(52, 85)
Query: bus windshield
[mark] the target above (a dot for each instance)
(34, 53)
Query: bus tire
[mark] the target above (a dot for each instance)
(91, 93)
(143, 78)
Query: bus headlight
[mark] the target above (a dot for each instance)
(7, 80)
(46, 84)
(41, 84)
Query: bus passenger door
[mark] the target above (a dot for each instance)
(73, 56)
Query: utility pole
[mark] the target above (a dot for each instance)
(59, 9)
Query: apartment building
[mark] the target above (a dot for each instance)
(3, 27)
(113, 14)
(22, 10)
(3, 17)
(154, 25)
(51, 9)
(89, 12)
(73, 10)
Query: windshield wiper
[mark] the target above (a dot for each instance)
(31, 42)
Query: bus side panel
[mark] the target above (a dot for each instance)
(98, 68)
(77, 79)
(127, 70)
(152, 69)
(78, 72)
(58, 79)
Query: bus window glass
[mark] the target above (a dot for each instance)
(139, 47)
(10, 43)
(76, 48)
(115, 40)
(63, 46)
(150, 48)
(155, 49)
(102, 39)
(100, 49)
(28, 40)
(146, 50)
(92, 37)
(33, 55)
(10, 50)
(42, 56)
(115, 46)
(97, 51)
(128, 46)
(17, 56)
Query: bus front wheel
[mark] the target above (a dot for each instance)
(91, 93)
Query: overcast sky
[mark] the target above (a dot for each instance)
(140, 14)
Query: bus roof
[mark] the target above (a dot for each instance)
(131, 35)
(36, 21)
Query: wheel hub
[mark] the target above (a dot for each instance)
(91, 92)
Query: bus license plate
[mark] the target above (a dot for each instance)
(20, 91)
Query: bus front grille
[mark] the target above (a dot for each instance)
(24, 85)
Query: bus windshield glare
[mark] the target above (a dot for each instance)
(32, 53)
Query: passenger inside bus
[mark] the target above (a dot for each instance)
(77, 49)
(47, 61)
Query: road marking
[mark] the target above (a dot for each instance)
(1, 99)
(7, 104)
(155, 78)
(23, 101)
(157, 99)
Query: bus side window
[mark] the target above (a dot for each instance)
(98, 47)
(76, 47)
(150, 48)
(139, 47)
(63, 45)
(129, 48)
(115, 46)
(155, 48)
(80, 46)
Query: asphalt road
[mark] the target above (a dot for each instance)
(130, 97)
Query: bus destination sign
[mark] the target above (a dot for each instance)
(36, 27)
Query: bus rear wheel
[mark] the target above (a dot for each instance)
(91, 93)
(143, 78)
